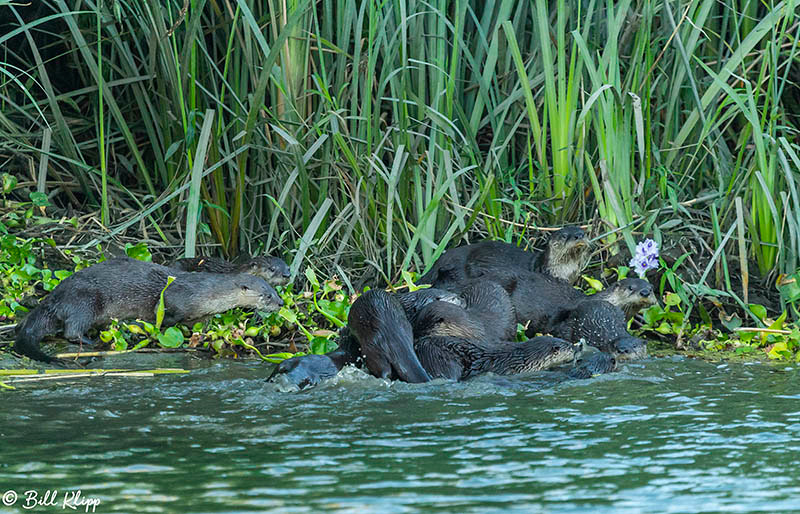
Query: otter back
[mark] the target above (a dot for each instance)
(126, 288)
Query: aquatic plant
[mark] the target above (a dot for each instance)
(645, 257)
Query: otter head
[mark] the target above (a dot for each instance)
(271, 269)
(413, 301)
(567, 254)
(629, 348)
(593, 364)
(630, 294)
(254, 292)
(444, 319)
(542, 352)
(304, 371)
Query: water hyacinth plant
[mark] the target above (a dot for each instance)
(645, 257)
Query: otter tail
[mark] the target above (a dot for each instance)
(36, 325)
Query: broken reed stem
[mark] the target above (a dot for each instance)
(765, 330)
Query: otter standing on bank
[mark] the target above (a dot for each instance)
(272, 269)
(126, 288)
(451, 345)
(566, 255)
(379, 323)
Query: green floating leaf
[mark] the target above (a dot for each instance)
(672, 299)
(779, 351)
(322, 345)
(171, 338)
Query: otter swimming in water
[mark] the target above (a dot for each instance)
(309, 370)
(379, 323)
(124, 288)
(566, 255)
(450, 345)
(595, 364)
(272, 269)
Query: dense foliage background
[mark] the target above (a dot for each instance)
(363, 138)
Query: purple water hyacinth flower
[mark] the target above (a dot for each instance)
(645, 258)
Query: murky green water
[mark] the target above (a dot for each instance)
(664, 435)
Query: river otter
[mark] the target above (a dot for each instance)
(595, 364)
(379, 323)
(271, 269)
(450, 345)
(309, 370)
(413, 301)
(565, 257)
(489, 305)
(126, 288)
(602, 325)
(541, 300)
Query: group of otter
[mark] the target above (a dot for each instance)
(465, 324)
(462, 326)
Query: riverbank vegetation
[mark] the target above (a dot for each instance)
(361, 139)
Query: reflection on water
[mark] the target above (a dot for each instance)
(664, 435)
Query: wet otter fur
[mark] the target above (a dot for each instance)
(595, 364)
(272, 269)
(565, 256)
(413, 301)
(450, 345)
(489, 305)
(379, 323)
(124, 288)
(603, 324)
(309, 370)
(542, 301)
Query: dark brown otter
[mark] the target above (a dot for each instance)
(272, 269)
(126, 288)
(541, 301)
(489, 305)
(379, 323)
(595, 364)
(450, 345)
(413, 301)
(601, 325)
(309, 370)
(565, 257)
